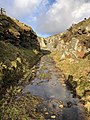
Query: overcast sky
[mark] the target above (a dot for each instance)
(47, 17)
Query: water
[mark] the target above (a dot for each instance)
(59, 103)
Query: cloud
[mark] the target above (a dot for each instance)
(48, 16)
(61, 15)
(81, 12)
(25, 7)
(21, 8)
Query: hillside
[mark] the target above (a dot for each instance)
(19, 51)
(18, 44)
(71, 53)
(17, 33)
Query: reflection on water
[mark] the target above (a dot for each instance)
(58, 100)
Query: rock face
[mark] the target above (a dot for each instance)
(53, 41)
(42, 43)
(17, 33)
(74, 43)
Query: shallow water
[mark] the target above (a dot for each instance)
(59, 103)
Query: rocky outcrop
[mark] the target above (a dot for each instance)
(17, 33)
(74, 43)
(42, 42)
(52, 41)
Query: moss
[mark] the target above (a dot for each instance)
(80, 91)
(16, 62)
(22, 108)
(14, 72)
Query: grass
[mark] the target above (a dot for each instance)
(16, 61)
(77, 68)
(23, 108)
(80, 71)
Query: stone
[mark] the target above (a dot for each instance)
(80, 54)
(69, 104)
(87, 106)
(61, 106)
(88, 28)
(74, 43)
(53, 116)
(42, 42)
(46, 113)
(0, 24)
(19, 60)
(14, 64)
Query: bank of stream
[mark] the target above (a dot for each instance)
(58, 101)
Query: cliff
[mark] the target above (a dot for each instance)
(74, 43)
(17, 33)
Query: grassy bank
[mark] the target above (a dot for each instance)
(80, 72)
(19, 52)
(15, 71)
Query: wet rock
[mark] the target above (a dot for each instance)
(69, 104)
(61, 106)
(46, 113)
(53, 116)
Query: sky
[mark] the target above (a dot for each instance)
(47, 17)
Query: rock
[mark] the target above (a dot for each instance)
(0, 24)
(64, 84)
(14, 64)
(61, 106)
(18, 33)
(80, 54)
(88, 28)
(46, 113)
(74, 43)
(53, 116)
(19, 60)
(87, 106)
(42, 42)
(69, 104)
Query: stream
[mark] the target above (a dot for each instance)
(58, 101)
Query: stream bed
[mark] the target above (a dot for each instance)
(58, 102)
